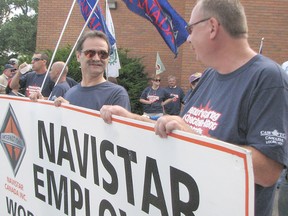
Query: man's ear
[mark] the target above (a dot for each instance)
(214, 27)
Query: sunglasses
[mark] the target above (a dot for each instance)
(91, 53)
(36, 59)
(157, 80)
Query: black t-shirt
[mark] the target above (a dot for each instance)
(157, 97)
(174, 107)
(32, 82)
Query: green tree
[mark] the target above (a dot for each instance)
(132, 78)
(18, 19)
(62, 54)
(4, 11)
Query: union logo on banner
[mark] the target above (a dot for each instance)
(12, 140)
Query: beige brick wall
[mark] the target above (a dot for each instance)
(266, 18)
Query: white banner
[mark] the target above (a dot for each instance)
(67, 161)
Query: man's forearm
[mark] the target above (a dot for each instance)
(266, 170)
(15, 80)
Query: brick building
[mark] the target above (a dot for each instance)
(266, 19)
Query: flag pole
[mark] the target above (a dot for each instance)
(261, 46)
(57, 45)
(73, 48)
(106, 69)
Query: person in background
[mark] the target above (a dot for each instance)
(60, 88)
(5, 77)
(193, 80)
(71, 81)
(62, 85)
(174, 107)
(14, 62)
(154, 98)
(13, 92)
(244, 95)
(94, 91)
(33, 80)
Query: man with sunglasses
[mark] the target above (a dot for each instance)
(33, 81)
(242, 97)
(94, 91)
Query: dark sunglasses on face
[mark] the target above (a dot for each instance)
(36, 59)
(91, 53)
(157, 80)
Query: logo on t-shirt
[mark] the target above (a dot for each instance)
(153, 98)
(273, 137)
(175, 97)
(31, 89)
(202, 119)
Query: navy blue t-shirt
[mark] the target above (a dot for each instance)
(246, 107)
(32, 82)
(174, 107)
(59, 90)
(157, 97)
(94, 97)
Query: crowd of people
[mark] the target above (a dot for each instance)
(92, 52)
(245, 93)
(93, 91)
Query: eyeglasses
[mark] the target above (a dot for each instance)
(36, 59)
(157, 80)
(91, 53)
(189, 28)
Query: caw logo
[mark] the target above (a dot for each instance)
(12, 140)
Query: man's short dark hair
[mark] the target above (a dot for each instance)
(91, 34)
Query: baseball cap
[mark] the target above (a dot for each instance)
(13, 61)
(9, 66)
(195, 77)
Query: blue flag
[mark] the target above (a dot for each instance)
(167, 21)
(97, 21)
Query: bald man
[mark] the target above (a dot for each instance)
(61, 86)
